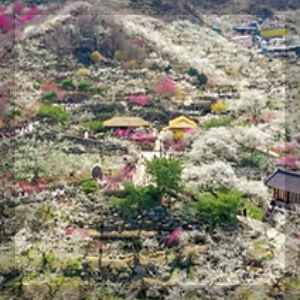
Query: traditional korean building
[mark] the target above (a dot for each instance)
(286, 187)
(180, 125)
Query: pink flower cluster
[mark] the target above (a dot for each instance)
(48, 86)
(285, 148)
(18, 7)
(166, 86)
(9, 22)
(288, 161)
(139, 99)
(123, 132)
(143, 137)
(176, 145)
(6, 23)
(174, 238)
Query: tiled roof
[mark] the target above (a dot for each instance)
(284, 180)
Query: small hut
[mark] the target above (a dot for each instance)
(125, 126)
(179, 125)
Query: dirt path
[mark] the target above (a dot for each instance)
(285, 248)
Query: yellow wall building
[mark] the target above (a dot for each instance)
(178, 126)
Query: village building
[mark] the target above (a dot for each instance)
(286, 187)
(180, 125)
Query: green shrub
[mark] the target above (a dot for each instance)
(216, 122)
(84, 86)
(96, 126)
(14, 112)
(167, 69)
(255, 212)
(97, 90)
(36, 86)
(202, 79)
(166, 173)
(56, 113)
(109, 134)
(137, 198)
(192, 71)
(72, 266)
(219, 208)
(49, 96)
(254, 158)
(67, 84)
(89, 186)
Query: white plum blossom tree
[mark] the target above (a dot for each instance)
(251, 137)
(209, 176)
(217, 143)
(251, 101)
(222, 143)
(221, 175)
(254, 189)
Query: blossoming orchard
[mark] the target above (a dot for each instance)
(146, 155)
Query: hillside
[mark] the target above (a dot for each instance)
(169, 198)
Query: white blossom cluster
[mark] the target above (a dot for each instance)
(251, 137)
(166, 136)
(219, 175)
(222, 143)
(212, 145)
(209, 176)
(50, 160)
(250, 101)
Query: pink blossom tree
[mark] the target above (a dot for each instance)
(289, 162)
(139, 99)
(6, 23)
(18, 7)
(166, 86)
(285, 148)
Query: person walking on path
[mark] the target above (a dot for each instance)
(101, 227)
(100, 250)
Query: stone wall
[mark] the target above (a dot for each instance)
(160, 216)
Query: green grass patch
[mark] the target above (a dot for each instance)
(56, 113)
(216, 122)
(49, 96)
(96, 126)
(244, 123)
(255, 212)
(255, 158)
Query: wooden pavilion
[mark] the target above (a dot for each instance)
(286, 187)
